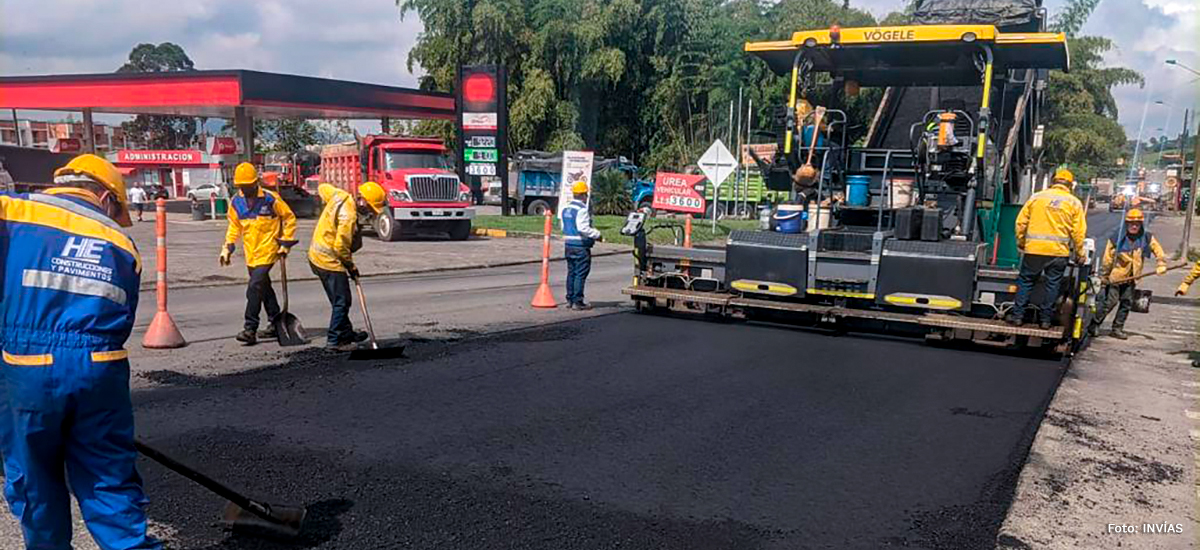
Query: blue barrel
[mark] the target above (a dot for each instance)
(858, 190)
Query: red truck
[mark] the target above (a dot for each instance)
(423, 192)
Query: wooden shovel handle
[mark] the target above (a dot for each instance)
(812, 147)
(1144, 275)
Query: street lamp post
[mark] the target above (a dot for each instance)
(1182, 66)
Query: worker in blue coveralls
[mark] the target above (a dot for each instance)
(578, 236)
(70, 278)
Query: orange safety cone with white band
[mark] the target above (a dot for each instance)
(162, 333)
(544, 298)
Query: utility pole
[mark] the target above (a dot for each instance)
(1186, 242)
(17, 127)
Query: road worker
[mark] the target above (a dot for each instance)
(1183, 290)
(1122, 260)
(331, 255)
(70, 285)
(579, 236)
(1188, 280)
(1050, 227)
(267, 228)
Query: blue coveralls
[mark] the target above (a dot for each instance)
(70, 278)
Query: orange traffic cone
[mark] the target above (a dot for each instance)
(544, 298)
(162, 333)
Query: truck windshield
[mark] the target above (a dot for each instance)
(415, 160)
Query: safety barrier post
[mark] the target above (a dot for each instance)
(687, 231)
(544, 298)
(212, 206)
(162, 333)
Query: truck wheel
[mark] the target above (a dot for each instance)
(537, 207)
(460, 230)
(387, 228)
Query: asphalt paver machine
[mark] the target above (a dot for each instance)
(910, 229)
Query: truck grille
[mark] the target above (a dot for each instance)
(433, 188)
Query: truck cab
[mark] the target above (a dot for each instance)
(423, 191)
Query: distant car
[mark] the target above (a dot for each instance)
(205, 191)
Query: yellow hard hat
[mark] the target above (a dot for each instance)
(1135, 215)
(1062, 174)
(579, 188)
(245, 174)
(101, 171)
(373, 194)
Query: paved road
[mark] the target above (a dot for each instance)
(588, 432)
(619, 430)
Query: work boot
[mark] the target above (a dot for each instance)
(247, 337)
(342, 348)
(360, 336)
(1015, 320)
(1094, 329)
(268, 334)
(1119, 333)
(582, 306)
(1045, 324)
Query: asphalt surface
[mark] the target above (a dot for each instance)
(617, 430)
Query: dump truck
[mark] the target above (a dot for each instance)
(423, 192)
(294, 176)
(920, 238)
(538, 175)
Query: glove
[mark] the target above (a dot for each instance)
(353, 271)
(283, 251)
(1160, 269)
(1081, 259)
(1182, 290)
(224, 258)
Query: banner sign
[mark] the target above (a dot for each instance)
(677, 193)
(126, 156)
(576, 166)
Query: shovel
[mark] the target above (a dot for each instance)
(291, 332)
(807, 173)
(373, 351)
(1144, 275)
(242, 514)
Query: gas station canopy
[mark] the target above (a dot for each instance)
(220, 94)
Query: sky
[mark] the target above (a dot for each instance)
(368, 41)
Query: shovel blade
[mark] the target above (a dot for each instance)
(291, 332)
(285, 521)
(394, 351)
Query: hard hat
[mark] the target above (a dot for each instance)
(245, 174)
(579, 188)
(102, 172)
(1062, 174)
(373, 194)
(1135, 215)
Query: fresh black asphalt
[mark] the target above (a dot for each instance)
(621, 431)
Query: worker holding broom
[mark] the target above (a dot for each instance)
(267, 228)
(70, 285)
(331, 255)
(1122, 262)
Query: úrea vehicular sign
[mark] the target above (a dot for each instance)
(677, 193)
(158, 157)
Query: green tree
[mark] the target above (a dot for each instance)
(158, 131)
(284, 136)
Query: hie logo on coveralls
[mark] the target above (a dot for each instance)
(83, 249)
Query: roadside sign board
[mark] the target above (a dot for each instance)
(576, 166)
(481, 155)
(677, 193)
(717, 163)
(488, 169)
